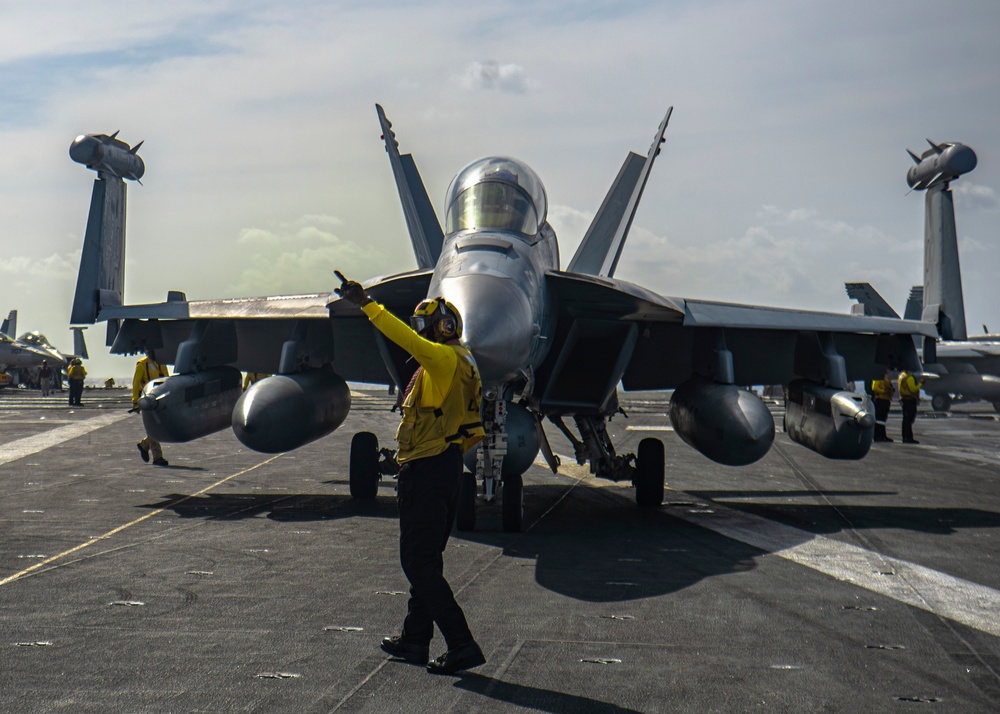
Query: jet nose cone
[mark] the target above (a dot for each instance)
(86, 150)
(498, 327)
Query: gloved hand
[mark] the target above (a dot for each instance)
(351, 291)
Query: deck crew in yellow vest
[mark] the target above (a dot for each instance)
(146, 370)
(440, 421)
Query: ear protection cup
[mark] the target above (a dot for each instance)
(446, 326)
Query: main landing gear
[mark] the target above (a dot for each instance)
(646, 469)
(368, 464)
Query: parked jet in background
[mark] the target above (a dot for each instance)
(550, 344)
(963, 370)
(15, 354)
(39, 342)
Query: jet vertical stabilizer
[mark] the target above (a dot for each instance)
(421, 221)
(602, 245)
(79, 344)
(101, 280)
(9, 326)
(943, 301)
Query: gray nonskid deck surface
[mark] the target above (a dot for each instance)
(233, 581)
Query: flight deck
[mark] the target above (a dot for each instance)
(234, 581)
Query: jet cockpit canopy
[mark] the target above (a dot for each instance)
(35, 338)
(496, 192)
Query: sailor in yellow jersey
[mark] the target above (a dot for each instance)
(146, 370)
(440, 422)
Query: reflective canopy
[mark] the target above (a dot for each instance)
(495, 192)
(35, 338)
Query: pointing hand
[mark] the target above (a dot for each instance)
(351, 291)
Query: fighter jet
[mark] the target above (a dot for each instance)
(959, 370)
(38, 342)
(15, 354)
(958, 367)
(552, 345)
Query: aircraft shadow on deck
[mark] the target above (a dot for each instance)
(618, 552)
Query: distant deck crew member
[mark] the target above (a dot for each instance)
(440, 422)
(882, 393)
(146, 370)
(75, 374)
(909, 396)
(45, 377)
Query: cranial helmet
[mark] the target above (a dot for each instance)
(440, 314)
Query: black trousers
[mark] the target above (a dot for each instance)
(881, 415)
(75, 391)
(428, 500)
(909, 416)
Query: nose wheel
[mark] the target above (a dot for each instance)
(512, 503)
(649, 474)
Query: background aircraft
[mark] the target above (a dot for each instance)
(958, 368)
(550, 344)
(36, 342)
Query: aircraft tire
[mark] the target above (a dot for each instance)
(941, 402)
(364, 465)
(465, 519)
(512, 503)
(649, 474)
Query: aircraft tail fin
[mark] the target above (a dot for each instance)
(602, 245)
(868, 297)
(421, 220)
(942, 300)
(101, 280)
(79, 344)
(9, 326)
(915, 303)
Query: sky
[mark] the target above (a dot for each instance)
(782, 177)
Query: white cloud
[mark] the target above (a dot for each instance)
(493, 76)
(972, 196)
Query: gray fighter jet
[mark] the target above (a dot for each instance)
(38, 342)
(15, 354)
(958, 368)
(552, 345)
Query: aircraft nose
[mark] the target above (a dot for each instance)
(498, 327)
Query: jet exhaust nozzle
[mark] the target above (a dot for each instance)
(285, 411)
(726, 423)
(832, 422)
(188, 406)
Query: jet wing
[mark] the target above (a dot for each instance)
(610, 331)
(271, 334)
